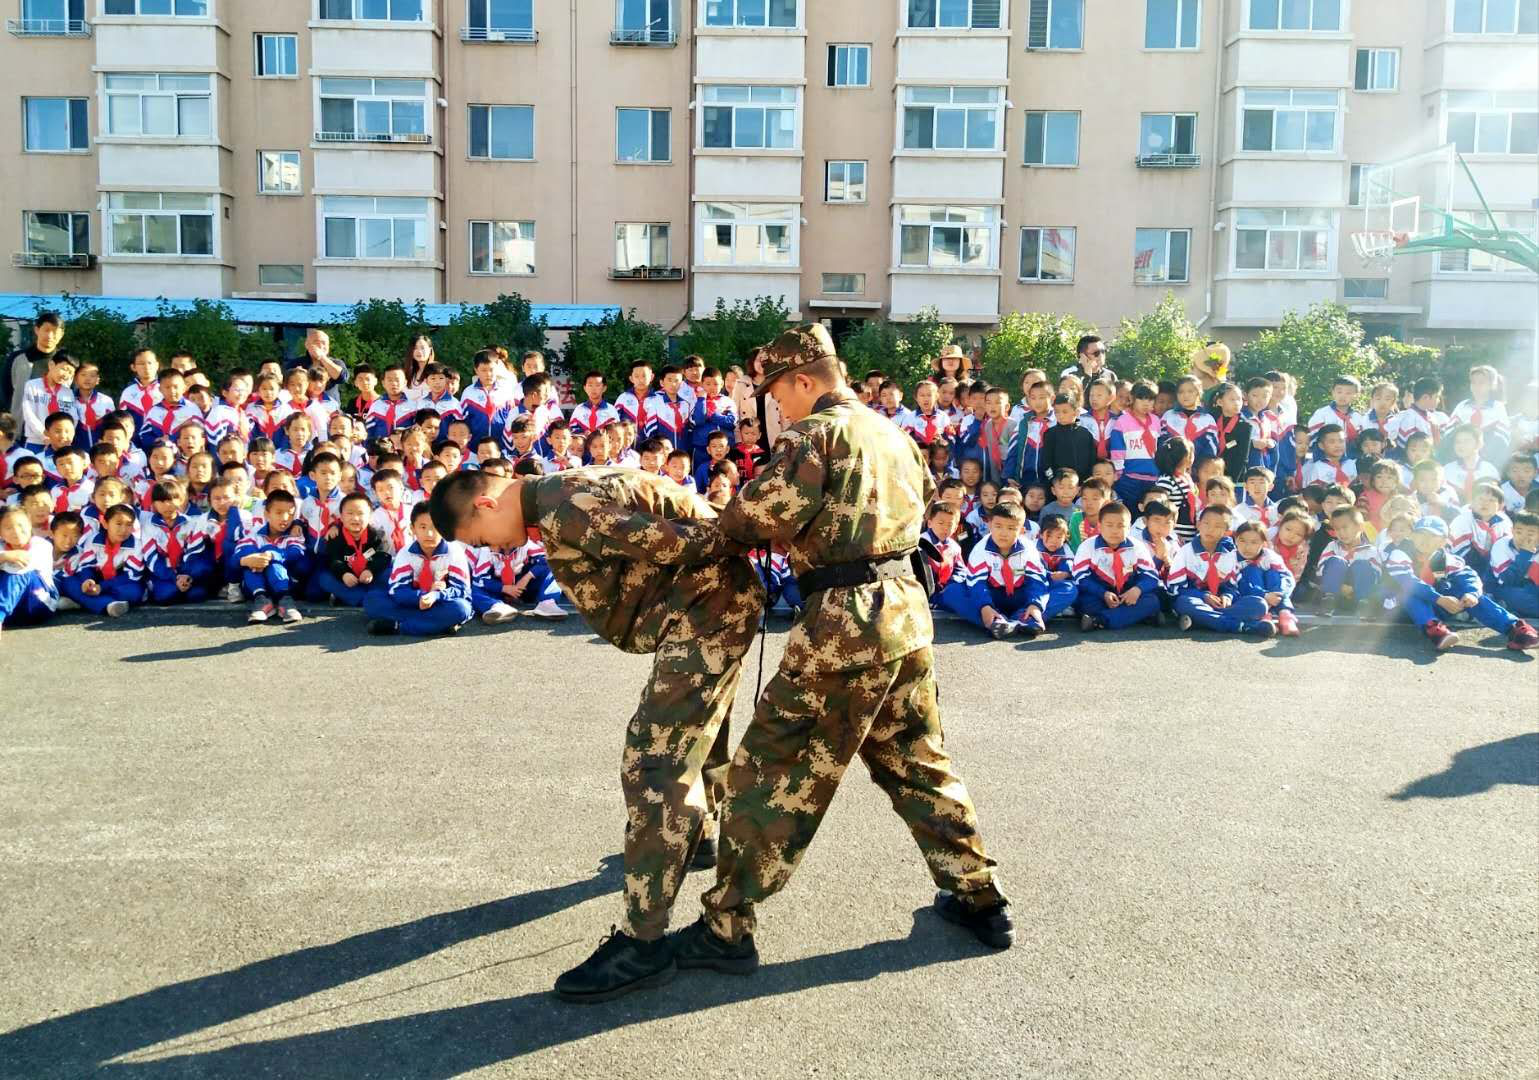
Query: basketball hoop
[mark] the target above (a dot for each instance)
(1378, 246)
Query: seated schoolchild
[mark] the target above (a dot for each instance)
(1263, 573)
(429, 586)
(1114, 575)
(1435, 584)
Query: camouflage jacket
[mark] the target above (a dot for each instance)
(620, 544)
(845, 484)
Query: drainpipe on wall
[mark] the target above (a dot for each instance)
(572, 103)
(1218, 111)
(688, 8)
(443, 145)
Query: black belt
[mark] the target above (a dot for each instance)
(849, 575)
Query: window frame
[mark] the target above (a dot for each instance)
(1048, 41)
(1174, 152)
(47, 25)
(265, 284)
(833, 64)
(651, 112)
(299, 185)
(326, 215)
(1520, 104)
(1330, 230)
(1170, 234)
(1375, 56)
(1518, 12)
(77, 114)
(1181, 7)
(176, 95)
(1001, 7)
(1347, 296)
(423, 6)
(789, 218)
(990, 226)
(470, 137)
(208, 11)
(1343, 18)
(735, 23)
(258, 38)
(650, 32)
(1020, 254)
(826, 291)
(113, 215)
(650, 239)
(1306, 110)
(483, 32)
(705, 105)
(74, 217)
(1047, 115)
(996, 107)
(491, 248)
(427, 102)
(1355, 173)
(865, 174)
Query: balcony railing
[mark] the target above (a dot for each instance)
(48, 27)
(48, 260)
(647, 273)
(1168, 161)
(646, 35)
(493, 35)
(372, 137)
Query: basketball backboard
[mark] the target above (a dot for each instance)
(1414, 198)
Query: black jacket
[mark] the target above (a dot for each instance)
(1067, 446)
(336, 551)
(1236, 446)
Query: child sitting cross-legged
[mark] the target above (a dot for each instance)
(1007, 590)
(1436, 584)
(276, 560)
(1114, 575)
(429, 590)
(1515, 562)
(1206, 574)
(1263, 573)
(1349, 565)
(354, 557)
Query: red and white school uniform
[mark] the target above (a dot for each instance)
(1321, 471)
(394, 525)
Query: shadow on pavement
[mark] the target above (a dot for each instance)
(452, 1041)
(1480, 768)
(79, 1043)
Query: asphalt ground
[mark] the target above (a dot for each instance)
(231, 851)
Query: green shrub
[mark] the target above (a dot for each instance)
(1314, 346)
(1031, 339)
(1156, 346)
(611, 346)
(507, 321)
(101, 336)
(730, 334)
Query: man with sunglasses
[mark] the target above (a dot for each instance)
(1090, 361)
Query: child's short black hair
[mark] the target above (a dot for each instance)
(717, 434)
(119, 510)
(1292, 502)
(1525, 517)
(420, 510)
(1008, 510)
(261, 445)
(1346, 380)
(940, 506)
(356, 496)
(1143, 390)
(1053, 521)
(520, 425)
(389, 474)
(1113, 509)
(1347, 512)
(167, 490)
(1158, 509)
(530, 466)
(1172, 453)
(559, 424)
(1329, 429)
(951, 483)
(279, 498)
(1246, 527)
(1065, 474)
(323, 458)
(1259, 472)
(68, 517)
(1427, 384)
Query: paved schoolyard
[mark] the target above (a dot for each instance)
(263, 852)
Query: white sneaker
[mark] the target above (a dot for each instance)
(288, 612)
(499, 613)
(230, 594)
(548, 609)
(66, 604)
(1184, 622)
(117, 609)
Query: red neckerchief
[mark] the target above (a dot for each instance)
(1211, 558)
(109, 567)
(1432, 429)
(1119, 574)
(1102, 432)
(1007, 574)
(992, 436)
(173, 546)
(222, 534)
(1150, 439)
(1191, 423)
(425, 574)
(1346, 422)
(1224, 430)
(1468, 489)
(357, 561)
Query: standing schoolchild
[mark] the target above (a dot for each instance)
(1135, 440)
(1483, 411)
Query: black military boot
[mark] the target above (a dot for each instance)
(620, 965)
(991, 925)
(697, 946)
(705, 854)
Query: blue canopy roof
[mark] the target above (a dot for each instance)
(278, 312)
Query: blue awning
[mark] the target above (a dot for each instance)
(24, 306)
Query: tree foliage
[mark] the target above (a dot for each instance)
(205, 331)
(377, 332)
(1157, 345)
(101, 336)
(507, 321)
(730, 334)
(871, 346)
(1031, 339)
(1314, 346)
(611, 345)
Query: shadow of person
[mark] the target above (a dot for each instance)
(1480, 768)
(76, 1044)
(449, 1042)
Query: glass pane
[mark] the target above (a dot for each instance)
(1186, 135)
(1282, 250)
(480, 247)
(718, 12)
(357, 87)
(197, 234)
(986, 14)
(1031, 253)
(1528, 16)
(1327, 15)
(748, 127)
(341, 238)
(633, 131)
(374, 118)
(1263, 14)
(1313, 250)
(857, 179)
(746, 241)
(155, 7)
(160, 234)
(377, 238)
(1189, 24)
(1290, 130)
(80, 229)
(1492, 134)
(479, 131)
(192, 8)
(135, 200)
(407, 118)
(918, 128)
(1461, 131)
(716, 244)
(927, 95)
(1160, 24)
(127, 234)
(1466, 18)
(780, 128)
(716, 129)
(183, 201)
(750, 12)
(1057, 254)
(1180, 241)
(950, 128)
(1295, 14)
(661, 150)
(975, 247)
(973, 95)
(1525, 133)
(782, 13)
(48, 234)
(288, 56)
(373, 9)
(406, 10)
(48, 123)
(1258, 130)
(159, 114)
(727, 93)
(946, 245)
(772, 95)
(193, 116)
(401, 207)
(660, 254)
(921, 13)
(184, 82)
(915, 245)
(1064, 31)
(1149, 255)
(1322, 131)
(777, 244)
(981, 129)
(835, 189)
(1154, 133)
(861, 70)
(953, 12)
(411, 88)
(281, 274)
(1250, 249)
(1501, 17)
(1063, 138)
(404, 238)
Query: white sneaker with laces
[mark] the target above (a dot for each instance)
(548, 609)
(230, 594)
(499, 613)
(117, 609)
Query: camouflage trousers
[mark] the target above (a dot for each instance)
(672, 773)
(806, 728)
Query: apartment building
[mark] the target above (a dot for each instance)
(856, 159)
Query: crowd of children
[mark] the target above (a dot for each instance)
(1112, 502)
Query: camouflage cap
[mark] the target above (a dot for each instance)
(796, 348)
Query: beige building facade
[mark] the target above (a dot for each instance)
(858, 160)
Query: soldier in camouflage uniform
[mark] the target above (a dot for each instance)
(845, 491)
(618, 543)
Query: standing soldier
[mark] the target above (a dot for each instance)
(615, 540)
(845, 491)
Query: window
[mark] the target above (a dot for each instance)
(1496, 16)
(1280, 121)
(942, 237)
(1056, 24)
(1377, 70)
(643, 20)
(845, 181)
(55, 125)
(951, 117)
(844, 284)
(749, 234)
(502, 132)
(189, 8)
(1161, 255)
(1047, 254)
(748, 117)
(61, 234)
(500, 20)
(1052, 138)
(502, 247)
(642, 135)
(1358, 288)
(1295, 14)
(373, 110)
(277, 55)
(1481, 122)
(641, 244)
(53, 16)
(1171, 24)
(750, 13)
(278, 172)
(365, 227)
(147, 223)
(961, 14)
(159, 105)
(849, 65)
(1283, 239)
(372, 10)
(1167, 137)
(1355, 184)
(1477, 262)
(280, 274)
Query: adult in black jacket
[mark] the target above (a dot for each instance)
(30, 363)
(1231, 436)
(1067, 445)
